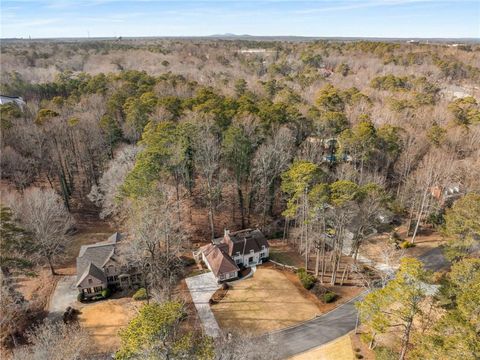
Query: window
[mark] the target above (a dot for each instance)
(90, 281)
(262, 255)
(115, 278)
(97, 288)
(250, 259)
(89, 290)
(107, 270)
(109, 278)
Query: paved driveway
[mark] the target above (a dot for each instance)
(202, 287)
(65, 295)
(316, 332)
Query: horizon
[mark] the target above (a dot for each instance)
(382, 19)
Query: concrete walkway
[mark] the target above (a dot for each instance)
(202, 287)
(65, 295)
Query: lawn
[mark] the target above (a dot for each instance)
(265, 302)
(103, 319)
(338, 349)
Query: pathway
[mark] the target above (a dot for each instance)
(202, 287)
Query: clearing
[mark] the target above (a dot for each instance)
(265, 302)
(104, 319)
(338, 349)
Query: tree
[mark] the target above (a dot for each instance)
(465, 111)
(237, 150)
(43, 214)
(207, 160)
(462, 223)
(15, 244)
(55, 341)
(271, 159)
(455, 333)
(108, 192)
(13, 311)
(157, 243)
(296, 183)
(156, 332)
(398, 305)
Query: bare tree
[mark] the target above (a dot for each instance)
(43, 214)
(271, 159)
(207, 160)
(54, 341)
(156, 244)
(106, 194)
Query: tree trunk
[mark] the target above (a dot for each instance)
(419, 217)
(49, 259)
(241, 205)
(406, 340)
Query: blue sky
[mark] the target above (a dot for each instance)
(367, 18)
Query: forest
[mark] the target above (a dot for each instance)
(173, 141)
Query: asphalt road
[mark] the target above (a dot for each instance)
(316, 332)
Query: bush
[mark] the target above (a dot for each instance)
(106, 293)
(359, 356)
(329, 297)
(140, 294)
(80, 297)
(306, 279)
(406, 244)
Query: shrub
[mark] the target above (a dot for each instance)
(329, 297)
(80, 297)
(406, 244)
(140, 294)
(106, 293)
(306, 279)
(359, 356)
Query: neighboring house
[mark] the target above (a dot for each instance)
(445, 195)
(9, 99)
(244, 248)
(99, 267)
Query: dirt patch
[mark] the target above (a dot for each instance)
(339, 349)
(265, 302)
(104, 319)
(361, 348)
(282, 252)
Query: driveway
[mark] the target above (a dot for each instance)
(65, 295)
(434, 260)
(202, 287)
(316, 332)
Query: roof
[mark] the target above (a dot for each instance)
(220, 263)
(244, 240)
(94, 271)
(97, 254)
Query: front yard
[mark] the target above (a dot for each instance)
(265, 302)
(104, 319)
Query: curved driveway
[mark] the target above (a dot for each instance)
(308, 335)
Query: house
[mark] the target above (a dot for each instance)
(99, 268)
(244, 248)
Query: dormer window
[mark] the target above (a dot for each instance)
(90, 281)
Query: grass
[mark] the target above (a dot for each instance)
(263, 303)
(103, 320)
(339, 349)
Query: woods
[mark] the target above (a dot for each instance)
(322, 145)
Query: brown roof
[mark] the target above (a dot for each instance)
(219, 261)
(244, 240)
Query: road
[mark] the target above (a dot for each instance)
(308, 335)
(336, 323)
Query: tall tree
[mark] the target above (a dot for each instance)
(398, 305)
(43, 214)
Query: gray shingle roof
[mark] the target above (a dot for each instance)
(97, 254)
(245, 240)
(94, 271)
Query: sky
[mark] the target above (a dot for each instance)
(323, 18)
